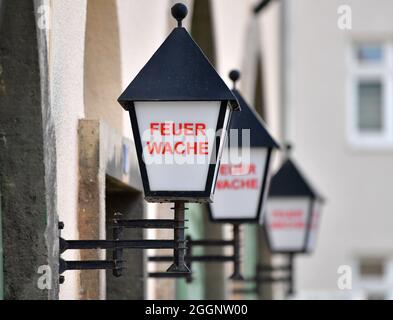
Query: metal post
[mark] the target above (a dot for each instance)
(291, 286)
(117, 254)
(179, 251)
(258, 284)
(188, 258)
(236, 253)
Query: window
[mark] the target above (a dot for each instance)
(370, 109)
(371, 95)
(372, 267)
(369, 53)
(373, 277)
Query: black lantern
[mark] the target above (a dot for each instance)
(244, 174)
(180, 109)
(292, 213)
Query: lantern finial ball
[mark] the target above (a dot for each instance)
(179, 12)
(234, 75)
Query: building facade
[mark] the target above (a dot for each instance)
(74, 58)
(318, 72)
(338, 73)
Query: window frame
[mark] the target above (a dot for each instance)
(368, 285)
(383, 72)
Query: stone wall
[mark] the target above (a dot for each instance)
(27, 169)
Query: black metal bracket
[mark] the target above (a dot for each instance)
(117, 245)
(190, 258)
(265, 274)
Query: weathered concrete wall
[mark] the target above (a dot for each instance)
(26, 165)
(50, 153)
(108, 184)
(2, 6)
(68, 18)
(1, 254)
(91, 190)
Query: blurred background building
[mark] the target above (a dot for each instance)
(66, 149)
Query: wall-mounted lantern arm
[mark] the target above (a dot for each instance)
(265, 274)
(117, 245)
(190, 258)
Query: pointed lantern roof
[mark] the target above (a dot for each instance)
(290, 182)
(249, 119)
(178, 71)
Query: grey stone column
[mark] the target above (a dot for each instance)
(27, 158)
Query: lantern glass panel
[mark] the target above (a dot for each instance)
(223, 139)
(314, 226)
(286, 223)
(239, 183)
(178, 142)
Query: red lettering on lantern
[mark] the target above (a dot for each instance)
(234, 177)
(237, 184)
(179, 129)
(188, 129)
(180, 147)
(237, 169)
(204, 148)
(200, 129)
(287, 219)
(177, 144)
(154, 126)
